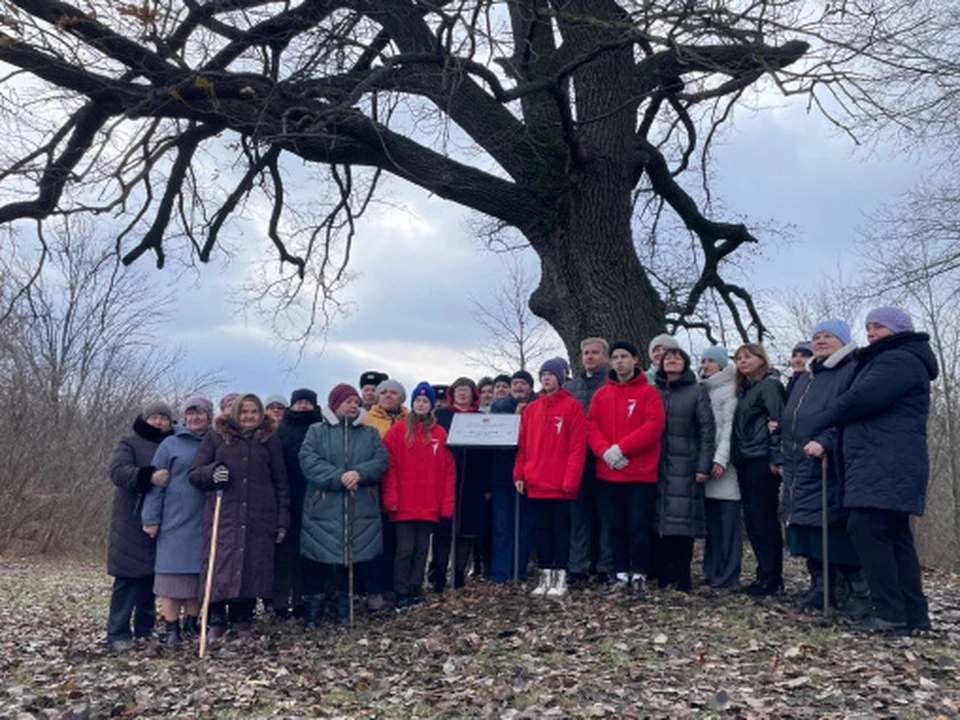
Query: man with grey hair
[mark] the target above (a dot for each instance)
(584, 543)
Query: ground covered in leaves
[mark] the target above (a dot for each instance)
(483, 651)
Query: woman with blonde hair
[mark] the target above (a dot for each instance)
(760, 399)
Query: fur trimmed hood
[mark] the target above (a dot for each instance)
(148, 432)
(229, 431)
(331, 418)
(835, 359)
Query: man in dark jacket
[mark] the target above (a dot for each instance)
(584, 541)
(883, 418)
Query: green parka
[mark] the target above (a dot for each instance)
(330, 449)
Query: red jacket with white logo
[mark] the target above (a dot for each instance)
(552, 447)
(419, 481)
(631, 416)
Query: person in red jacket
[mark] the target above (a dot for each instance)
(417, 491)
(624, 426)
(550, 456)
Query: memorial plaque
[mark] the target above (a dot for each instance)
(482, 430)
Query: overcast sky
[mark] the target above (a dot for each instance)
(418, 265)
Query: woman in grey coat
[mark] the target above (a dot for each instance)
(686, 460)
(723, 549)
(173, 514)
(343, 462)
(131, 553)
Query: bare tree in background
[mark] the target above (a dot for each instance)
(513, 338)
(582, 124)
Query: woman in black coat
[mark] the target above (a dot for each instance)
(686, 459)
(883, 420)
(760, 398)
(132, 552)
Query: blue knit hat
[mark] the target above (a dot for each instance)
(554, 366)
(717, 353)
(838, 328)
(424, 389)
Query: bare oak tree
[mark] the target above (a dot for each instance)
(567, 120)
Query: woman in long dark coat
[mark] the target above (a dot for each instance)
(686, 459)
(244, 459)
(132, 552)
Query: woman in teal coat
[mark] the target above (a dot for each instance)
(343, 462)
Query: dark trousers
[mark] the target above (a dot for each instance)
(322, 578)
(760, 492)
(287, 575)
(503, 506)
(551, 533)
(413, 542)
(132, 596)
(441, 555)
(584, 547)
(884, 542)
(676, 556)
(723, 549)
(376, 576)
(235, 611)
(626, 522)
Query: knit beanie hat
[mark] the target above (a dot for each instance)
(555, 367)
(804, 346)
(664, 339)
(157, 408)
(226, 401)
(504, 378)
(303, 394)
(838, 328)
(717, 353)
(275, 398)
(424, 389)
(626, 345)
(392, 385)
(199, 402)
(340, 393)
(893, 318)
(372, 377)
(526, 377)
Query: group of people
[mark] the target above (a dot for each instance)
(617, 471)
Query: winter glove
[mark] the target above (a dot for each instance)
(613, 456)
(221, 477)
(621, 464)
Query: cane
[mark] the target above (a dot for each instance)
(205, 612)
(349, 551)
(516, 537)
(825, 534)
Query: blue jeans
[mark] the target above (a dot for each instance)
(501, 553)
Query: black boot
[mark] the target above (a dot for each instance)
(813, 598)
(191, 627)
(313, 610)
(172, 638)
(857, 604)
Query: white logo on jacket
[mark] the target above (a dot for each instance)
(631, 404)
(559, 420)
(436, 446)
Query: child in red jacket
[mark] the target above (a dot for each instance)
(624, 426)
(550, 457)
(417, 491)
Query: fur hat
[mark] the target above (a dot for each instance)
(717, 353)
(625, 345)
(892, 318)
(199, 402)
(440, 391)
(555, 368)
(838, 328)
(303, 394)
(340, 393)
(392, 385)
(275, 398)
(525, 376)
(424, 389)
(157, 408)
(664, 339)
(372, 377)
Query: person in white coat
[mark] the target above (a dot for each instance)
(724, 544)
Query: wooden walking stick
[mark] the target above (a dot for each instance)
(825, 534)
(205, 612)
(516, 536)
(349, 551)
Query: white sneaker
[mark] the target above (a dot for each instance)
(546, 580)
(559, 587)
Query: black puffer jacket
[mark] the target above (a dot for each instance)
(131, 551)
(815, 391)
(687, 447)
(758, 402)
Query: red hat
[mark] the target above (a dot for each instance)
(340, 393)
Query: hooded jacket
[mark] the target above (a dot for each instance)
(813, 394)
(724, 404)
(420, 479)
(382, 421)
(629, 415)
(883, 418)
(552, 446)
(687, 448)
